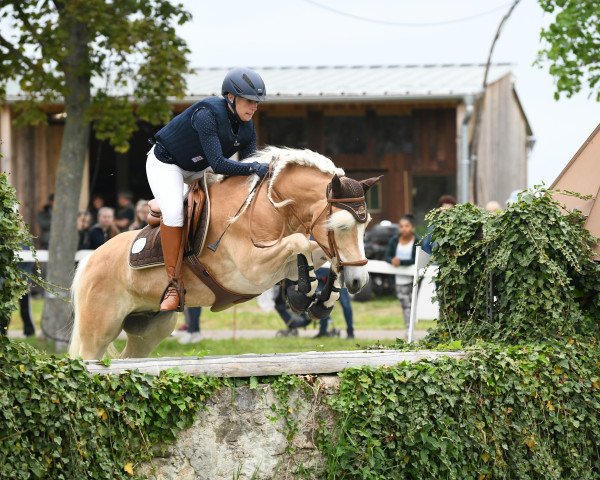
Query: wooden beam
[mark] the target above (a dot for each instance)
(272, 364)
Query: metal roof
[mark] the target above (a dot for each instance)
(352, 82)
(375, 82)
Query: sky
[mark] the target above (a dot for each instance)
(298, 32)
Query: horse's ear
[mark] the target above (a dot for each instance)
(369, 182)
(336, 186)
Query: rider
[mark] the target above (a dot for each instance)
(203, 136)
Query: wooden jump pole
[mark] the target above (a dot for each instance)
(249, 365)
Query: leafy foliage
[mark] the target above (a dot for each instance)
(58, 422)
(572, 45)
(128, 48)
(14, 235)
(524, 274)
(526, 412)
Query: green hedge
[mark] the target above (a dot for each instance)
(13, 237)
(530, 412)
(57, 422)
(504, 412)
(524, 274)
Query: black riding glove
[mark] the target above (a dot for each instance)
(261, 169)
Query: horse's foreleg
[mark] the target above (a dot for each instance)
(326, 299)
(279, 259)
(301, 295)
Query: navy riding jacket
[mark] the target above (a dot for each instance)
(204, 135)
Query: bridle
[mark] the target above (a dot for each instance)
(331, 250)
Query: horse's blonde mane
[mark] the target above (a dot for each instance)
(283, 157)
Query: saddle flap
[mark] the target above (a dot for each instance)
(146, 249)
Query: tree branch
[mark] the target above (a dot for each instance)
(16, 53)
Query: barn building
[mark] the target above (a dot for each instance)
(407, 122)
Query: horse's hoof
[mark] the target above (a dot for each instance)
(318, 311)
(298, 301)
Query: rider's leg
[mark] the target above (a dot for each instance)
(347, 308)
(167, 184)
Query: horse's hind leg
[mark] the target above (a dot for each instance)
(95, 329)
(145, 331)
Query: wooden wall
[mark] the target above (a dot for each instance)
(399, 140)
(502, 151)
(33, 161)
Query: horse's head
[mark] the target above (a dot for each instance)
(346, 224)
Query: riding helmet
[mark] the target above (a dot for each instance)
(245, 83)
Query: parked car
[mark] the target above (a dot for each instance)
(376, 241)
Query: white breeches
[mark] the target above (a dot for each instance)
(169, 184)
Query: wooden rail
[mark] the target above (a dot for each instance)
(272, 364)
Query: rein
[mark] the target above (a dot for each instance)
(332, 250)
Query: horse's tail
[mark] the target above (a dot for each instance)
(75, 344)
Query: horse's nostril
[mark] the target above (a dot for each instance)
(355, 284)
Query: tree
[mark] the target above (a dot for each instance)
(572, 45)
(93, 55)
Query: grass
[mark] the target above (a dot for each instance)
(379, 314)
(172, 348)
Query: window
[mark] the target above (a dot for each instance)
(373, 198)
(287, 132)
(427, 189)
(345, 135)
(393, 134)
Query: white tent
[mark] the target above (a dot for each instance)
(582, 175)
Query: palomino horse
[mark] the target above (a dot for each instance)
(110, 296)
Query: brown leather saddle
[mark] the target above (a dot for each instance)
(146, 249)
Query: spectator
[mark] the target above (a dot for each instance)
(445, 201)
(126, 212)
(104, 230)
(84, 223)
(192, 317)
(44, 220)
(292, 321)
(322, 274)
(493, 206)
(141, 214)
(96, 204)
(401, 250)
(25, 301)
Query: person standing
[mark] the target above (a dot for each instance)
(445, 201)
(84, 223)
(141, 214)
(95, 205)
(192, 317)
(25, 300)
(44, 220)
(104, 230)
(203, 136)
(126, 212)
(401, 250)
(322, 274)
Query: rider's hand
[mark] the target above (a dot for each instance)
(261, 169)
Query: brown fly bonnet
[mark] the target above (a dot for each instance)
(349, 194)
